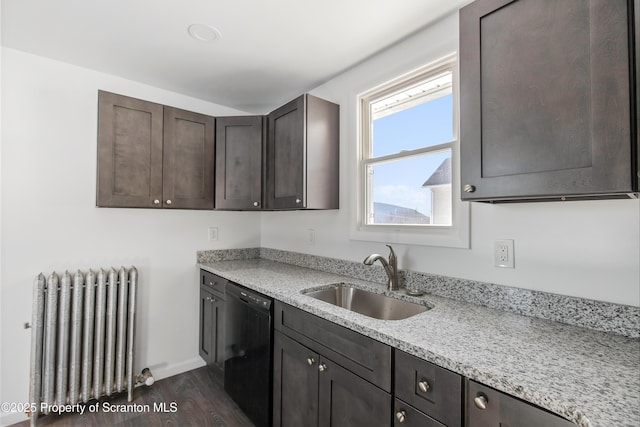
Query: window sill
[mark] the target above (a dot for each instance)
(457, 236)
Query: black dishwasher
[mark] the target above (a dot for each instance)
(248, 372)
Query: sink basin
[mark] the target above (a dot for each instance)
(368, 303)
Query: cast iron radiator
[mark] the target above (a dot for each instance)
(82, 337)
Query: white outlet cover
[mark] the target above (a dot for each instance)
(213, 234)
(503, 255)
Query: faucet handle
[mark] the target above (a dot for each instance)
(392, 254)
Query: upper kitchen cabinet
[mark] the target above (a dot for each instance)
(303, 155)
(547, 99)
(152, 156)
(188, 160)
(239, 159)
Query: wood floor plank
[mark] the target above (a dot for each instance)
(194, 398)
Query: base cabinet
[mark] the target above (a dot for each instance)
(347, 400)
(311, 390)
(327, 375)
(295, 378)
(406, 415)
(211, 341)
(487, 407)
(432, 391)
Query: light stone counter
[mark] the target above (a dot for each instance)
(589, 377)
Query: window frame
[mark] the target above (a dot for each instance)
(454, 235)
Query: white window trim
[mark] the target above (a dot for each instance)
(456, 235)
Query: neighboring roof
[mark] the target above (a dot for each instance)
(441, 176)
(385, 213)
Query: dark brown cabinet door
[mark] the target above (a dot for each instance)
(211, 329)
(496, 409)
(433, 390)
(303, 155)
(286, 156)
(188, 164)
(295, 383)
(546, 100)
(152, 156)
(239, 154)
(346, 400)
(407, 416)
(129, 152)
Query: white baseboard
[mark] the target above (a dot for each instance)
(6, 419)
(165, 371)
(159, 372)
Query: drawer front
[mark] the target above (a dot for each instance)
(212, 282)
(407, 415)
(431, 389)
(366, 357)
(502, 409)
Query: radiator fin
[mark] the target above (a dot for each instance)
(82, 337)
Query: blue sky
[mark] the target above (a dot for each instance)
(426, 124)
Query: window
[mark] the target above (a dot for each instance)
(408, 154)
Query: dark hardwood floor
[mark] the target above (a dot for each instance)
(194, 398)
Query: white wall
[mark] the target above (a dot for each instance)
(585, 249)
(49, 218)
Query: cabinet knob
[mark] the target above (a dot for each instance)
(481, 401)
(311, 361)
(468, 188)
(401, 416)
(169, 201)
(298, 201)
(256, 204)
(423, 386)
(211, 299)
(156, 202)
(322, 367)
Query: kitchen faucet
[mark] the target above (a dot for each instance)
(390, 267)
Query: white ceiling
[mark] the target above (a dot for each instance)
(269, 51)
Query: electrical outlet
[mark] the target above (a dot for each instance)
(503, 255)
(213, 234)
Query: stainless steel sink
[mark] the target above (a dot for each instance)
(368, 303)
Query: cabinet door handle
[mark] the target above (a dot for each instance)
(423, 386)
(311, 361)
(298, 201)
(211, 299)
(401, 416)
(256, 204)
(169, 201)
(469, 188)
(322, 367)
(481, 401)
(156, 202)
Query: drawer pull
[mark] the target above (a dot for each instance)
(311, 361)
(401, 416)
(322, 367)
(423, 386)
(481, 401)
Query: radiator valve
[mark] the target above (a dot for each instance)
(146, 378)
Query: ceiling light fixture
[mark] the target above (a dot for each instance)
(203, 33)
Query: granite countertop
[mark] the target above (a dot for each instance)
(589, 377)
